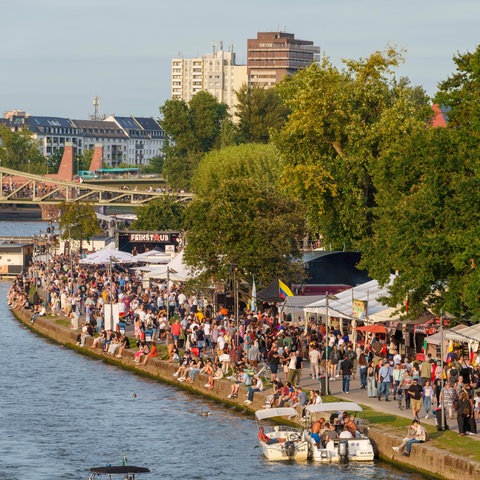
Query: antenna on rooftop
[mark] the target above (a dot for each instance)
(96, 103)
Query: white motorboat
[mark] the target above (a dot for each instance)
(357, 449)
(281, 442)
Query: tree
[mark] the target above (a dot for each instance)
(340, 122)
(161, 214)
(78, 221)
(19, 150)
(155, 164)
(193, 129)
(426, 221)
(240, 216)
(259, 110)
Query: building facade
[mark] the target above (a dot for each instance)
(274, 55)
(131, 140)
(215, 73)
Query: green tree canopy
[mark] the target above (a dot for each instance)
(340, 122)
(193, 129)
(19, 150)
(259, 110)
(78, 221)
(240, 216)
(426, 220)
(161, 214)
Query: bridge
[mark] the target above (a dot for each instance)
(22, 188)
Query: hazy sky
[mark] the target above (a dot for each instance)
(56, 55)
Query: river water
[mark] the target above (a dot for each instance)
(61, 413)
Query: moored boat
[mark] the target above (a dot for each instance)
(359, 448)
(129, 472)
(281, 442)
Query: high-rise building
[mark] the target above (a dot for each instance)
(215, 73)
(273, 55)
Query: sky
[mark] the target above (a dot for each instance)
(56, 55)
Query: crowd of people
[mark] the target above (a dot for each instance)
(208, 340)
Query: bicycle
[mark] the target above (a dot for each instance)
(265, 373)
(401, 399)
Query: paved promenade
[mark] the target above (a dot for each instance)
(360, 396)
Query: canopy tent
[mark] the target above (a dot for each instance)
(176, 270)
(294, 306)
(436, 338)
(106, 256)
(270, 294)
(466, 335)
(342, 304)
(153, 256)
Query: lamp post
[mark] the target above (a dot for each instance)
(327, 326)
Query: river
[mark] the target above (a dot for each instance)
(61, 413)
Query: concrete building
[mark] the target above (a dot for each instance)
(274, 55)
(215, 73)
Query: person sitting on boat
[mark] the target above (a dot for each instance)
(263, 437)
(349, 424)
(329, 434)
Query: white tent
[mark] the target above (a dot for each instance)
(342, 304)
(177, 270)
(436, 338)
(107, 255)
(295, 305)
(466, 335)
(153, 256)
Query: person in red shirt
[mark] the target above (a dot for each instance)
(176, 330)
(263, 437)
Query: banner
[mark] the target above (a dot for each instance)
(359, 309)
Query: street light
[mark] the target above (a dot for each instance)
(327, 326)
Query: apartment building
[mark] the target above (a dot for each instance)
(215, 73)
(274, 55)
(131, 140)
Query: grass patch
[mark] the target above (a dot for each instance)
(63, 322)
(445, 440)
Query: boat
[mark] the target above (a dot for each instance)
(281, 442)
(128, 471)
(357, 449)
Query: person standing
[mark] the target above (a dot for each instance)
(415, 391)
(397, 379)
(384, 374)
(314, 357)
(428, 393)
(464, 411)
(363, 367)
(426, 370)
(346, 368)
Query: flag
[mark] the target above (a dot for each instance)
(253, 307)
(283, 290)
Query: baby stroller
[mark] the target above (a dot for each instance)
(401, 398)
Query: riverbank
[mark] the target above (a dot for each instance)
(426, 458)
